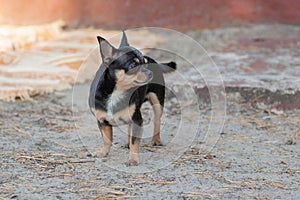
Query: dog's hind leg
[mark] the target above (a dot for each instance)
(158, 110)
(128, 138)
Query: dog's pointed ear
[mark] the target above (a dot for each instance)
(124, 41)
(106, 49)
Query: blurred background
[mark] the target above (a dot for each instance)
(176, 14)
(46, 128)
(36, 36)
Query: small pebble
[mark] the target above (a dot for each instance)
(290, 141)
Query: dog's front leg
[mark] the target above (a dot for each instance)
(127, 144)
(135, 139)
(107, 137)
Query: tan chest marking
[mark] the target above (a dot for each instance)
(119, 118)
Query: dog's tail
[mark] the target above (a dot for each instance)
(168, 67)
(165, 67)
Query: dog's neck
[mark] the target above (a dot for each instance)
(111, 97)
(106, 84)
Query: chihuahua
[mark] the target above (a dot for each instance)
(125, 80)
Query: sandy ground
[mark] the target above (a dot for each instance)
(257, 156)
(47, 147)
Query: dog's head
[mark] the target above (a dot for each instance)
(126, 64)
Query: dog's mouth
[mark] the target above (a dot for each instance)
(144, 78)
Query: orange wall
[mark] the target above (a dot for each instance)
(178, 14)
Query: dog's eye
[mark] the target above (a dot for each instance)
(132, 65)
(133, 68)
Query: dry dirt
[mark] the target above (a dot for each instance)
(257, 157)
(46, 152)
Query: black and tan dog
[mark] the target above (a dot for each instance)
(124, 81)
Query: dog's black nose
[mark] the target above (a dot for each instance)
(149, 73)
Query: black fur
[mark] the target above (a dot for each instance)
(129, 62)
(104, 82)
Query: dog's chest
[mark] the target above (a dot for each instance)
(118, 111)
(115, 101)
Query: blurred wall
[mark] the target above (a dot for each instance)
(177, 14)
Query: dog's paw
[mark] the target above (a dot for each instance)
(127, 146)
(101, 154)
(156, 143)
(132, 163)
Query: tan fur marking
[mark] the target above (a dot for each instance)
(146, 60)
(128, 137)
(141, 77)
(100, 115)
(120, 74)
(125, 115)
(137, 60)
(157, 109)
(107, 137)
(134, 150)
(125, 82)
